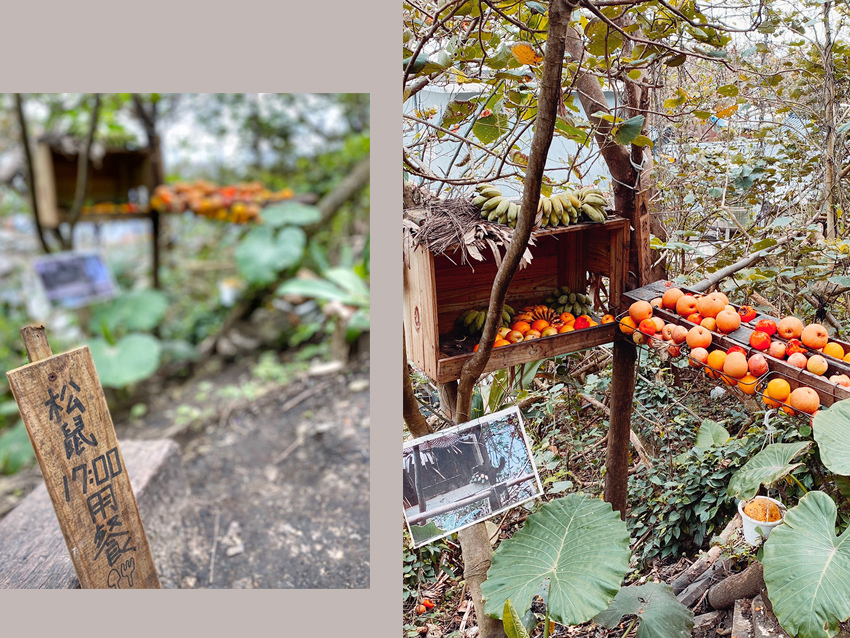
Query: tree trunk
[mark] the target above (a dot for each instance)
(829, 182)
(25, 140)
(82, 176)
(413, 418)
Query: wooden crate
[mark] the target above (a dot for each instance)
(110, 179)
(438, 288)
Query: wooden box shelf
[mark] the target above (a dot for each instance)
(438, 288)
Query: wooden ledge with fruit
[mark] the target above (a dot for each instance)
(799, 368)
(572, 281)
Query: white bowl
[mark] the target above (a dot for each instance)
(751, 535)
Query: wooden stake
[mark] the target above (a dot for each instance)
(68, 421)
(620, 425)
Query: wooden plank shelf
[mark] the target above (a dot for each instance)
(438, 288)
(828, 392)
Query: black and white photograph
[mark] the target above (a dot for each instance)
(466, 474)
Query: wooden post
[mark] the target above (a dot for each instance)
(620, 424)
(67, 419)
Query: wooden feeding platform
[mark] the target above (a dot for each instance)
(439, 287)
(828, 392)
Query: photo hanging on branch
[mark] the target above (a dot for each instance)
(465, 474)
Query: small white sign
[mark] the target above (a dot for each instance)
(466, 474)
(74, 279)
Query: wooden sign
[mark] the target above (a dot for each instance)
(65, 413)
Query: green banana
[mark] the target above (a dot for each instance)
(492, 203)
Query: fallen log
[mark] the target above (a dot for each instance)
(706, 560)
(745, 584)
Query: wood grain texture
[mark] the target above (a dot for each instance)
(33, 554)
(68, 421)
(35, 342)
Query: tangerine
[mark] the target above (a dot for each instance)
(716, 359)
(747, 384)
(834, 350)
(627, 325)
(540, 325)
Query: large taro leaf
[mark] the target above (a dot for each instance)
(262, 253)
(291, 214)
(711, 434)
(134, 310)
(661, 614)
(766, 467)
(579, 543)
(832, 434)
(132, 359)
(514, 627)
(807, 569)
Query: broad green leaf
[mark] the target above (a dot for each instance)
(512, 622)
(491, 128)
(661, 614)
(703, 115)
(832, 434)
(579, 543)
(536, 7)
(291, 214)
(456, 112)
(642, 140)
(728, 90)
(807, 568)
(629, 130)
(15, 449)
(634, 74)
(711, 434)
(132, 359)
(421, 534)
(134, 310)
(602, 40)
(764, 243)
(677, 60)
(313, 289)
(501, 59)
(766, 467)
(262, 254)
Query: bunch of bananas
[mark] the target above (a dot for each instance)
(576, 303)
(494, 207)
(531, 314)
(561, 209)
(472, 321)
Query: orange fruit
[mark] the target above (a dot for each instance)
(814, 336)
(640, 310)
(501, 342)
(566, 317)
(607, 318)
(698, 337)
(514, 336)
(670, 297)
(728, 321)
(686, 305)
(628, 325)
(735, 365)
(747, 384)
(716, 359)
(540, 325)
(521, 326)
(710, 306)
(709, 323)
(567, 327)
(778, 389)
(805, 400)
(834, 350)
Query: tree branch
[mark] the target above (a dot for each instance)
(82, 174)
(25, 140)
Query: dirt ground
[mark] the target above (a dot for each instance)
(278, 472)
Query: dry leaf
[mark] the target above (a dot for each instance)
(525, 54)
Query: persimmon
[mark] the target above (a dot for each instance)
(709, 323)
(608, 319)
(695, 318)
(539, 325)
(521, 326)
(817, 365)
(767, 326)
(795, 346)
(584, 321)
(735, 365)
(760, 340)
(514, 336)
(732, 349)
(640, 310)
(698, 357)
(568, 327)
(501, 342)
(747, 313)
(567, 317)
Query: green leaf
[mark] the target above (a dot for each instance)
(291, 214)
(764, 243)
(661, 614)
(677, 60)
(728, 90)
(807, 568)
(602, 41)
(703, 115)
(642, 140)
(491, 128)
(15, 449)
(132, 359)
(134, 310)
(711, 434)
(536, 7)
(766, 467)
(501, 59)
(627, 131)
(832, 434)
(512, 622)
(421, 534)
(262, 254)
(579, 543)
